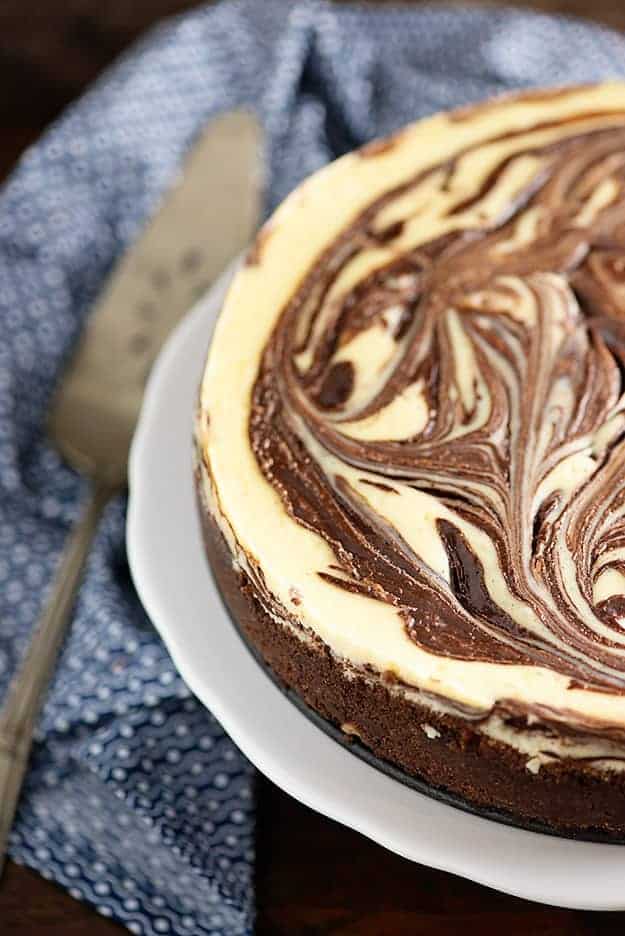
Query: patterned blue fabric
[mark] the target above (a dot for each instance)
(136, 800)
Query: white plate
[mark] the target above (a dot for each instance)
(171, 574)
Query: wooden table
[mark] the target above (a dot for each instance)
(313, 876)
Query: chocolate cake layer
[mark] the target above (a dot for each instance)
(411, 436)
(444, 750)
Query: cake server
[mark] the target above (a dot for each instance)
(205, 220)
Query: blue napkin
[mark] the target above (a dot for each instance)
(136, 800)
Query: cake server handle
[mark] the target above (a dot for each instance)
(18, 714)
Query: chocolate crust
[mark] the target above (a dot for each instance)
(566, 798)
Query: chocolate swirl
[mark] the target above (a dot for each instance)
(472, 386)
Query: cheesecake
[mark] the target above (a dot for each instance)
(410, 453)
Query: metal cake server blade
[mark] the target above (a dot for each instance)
(205, 220)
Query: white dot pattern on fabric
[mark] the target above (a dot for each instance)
(136, 801)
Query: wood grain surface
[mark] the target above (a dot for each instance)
(313, 876)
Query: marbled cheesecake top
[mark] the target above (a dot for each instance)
(412, 420)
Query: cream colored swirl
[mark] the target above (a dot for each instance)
(426, 443)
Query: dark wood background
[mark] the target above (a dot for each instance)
(313, 875)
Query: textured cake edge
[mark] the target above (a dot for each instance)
(445, 751)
